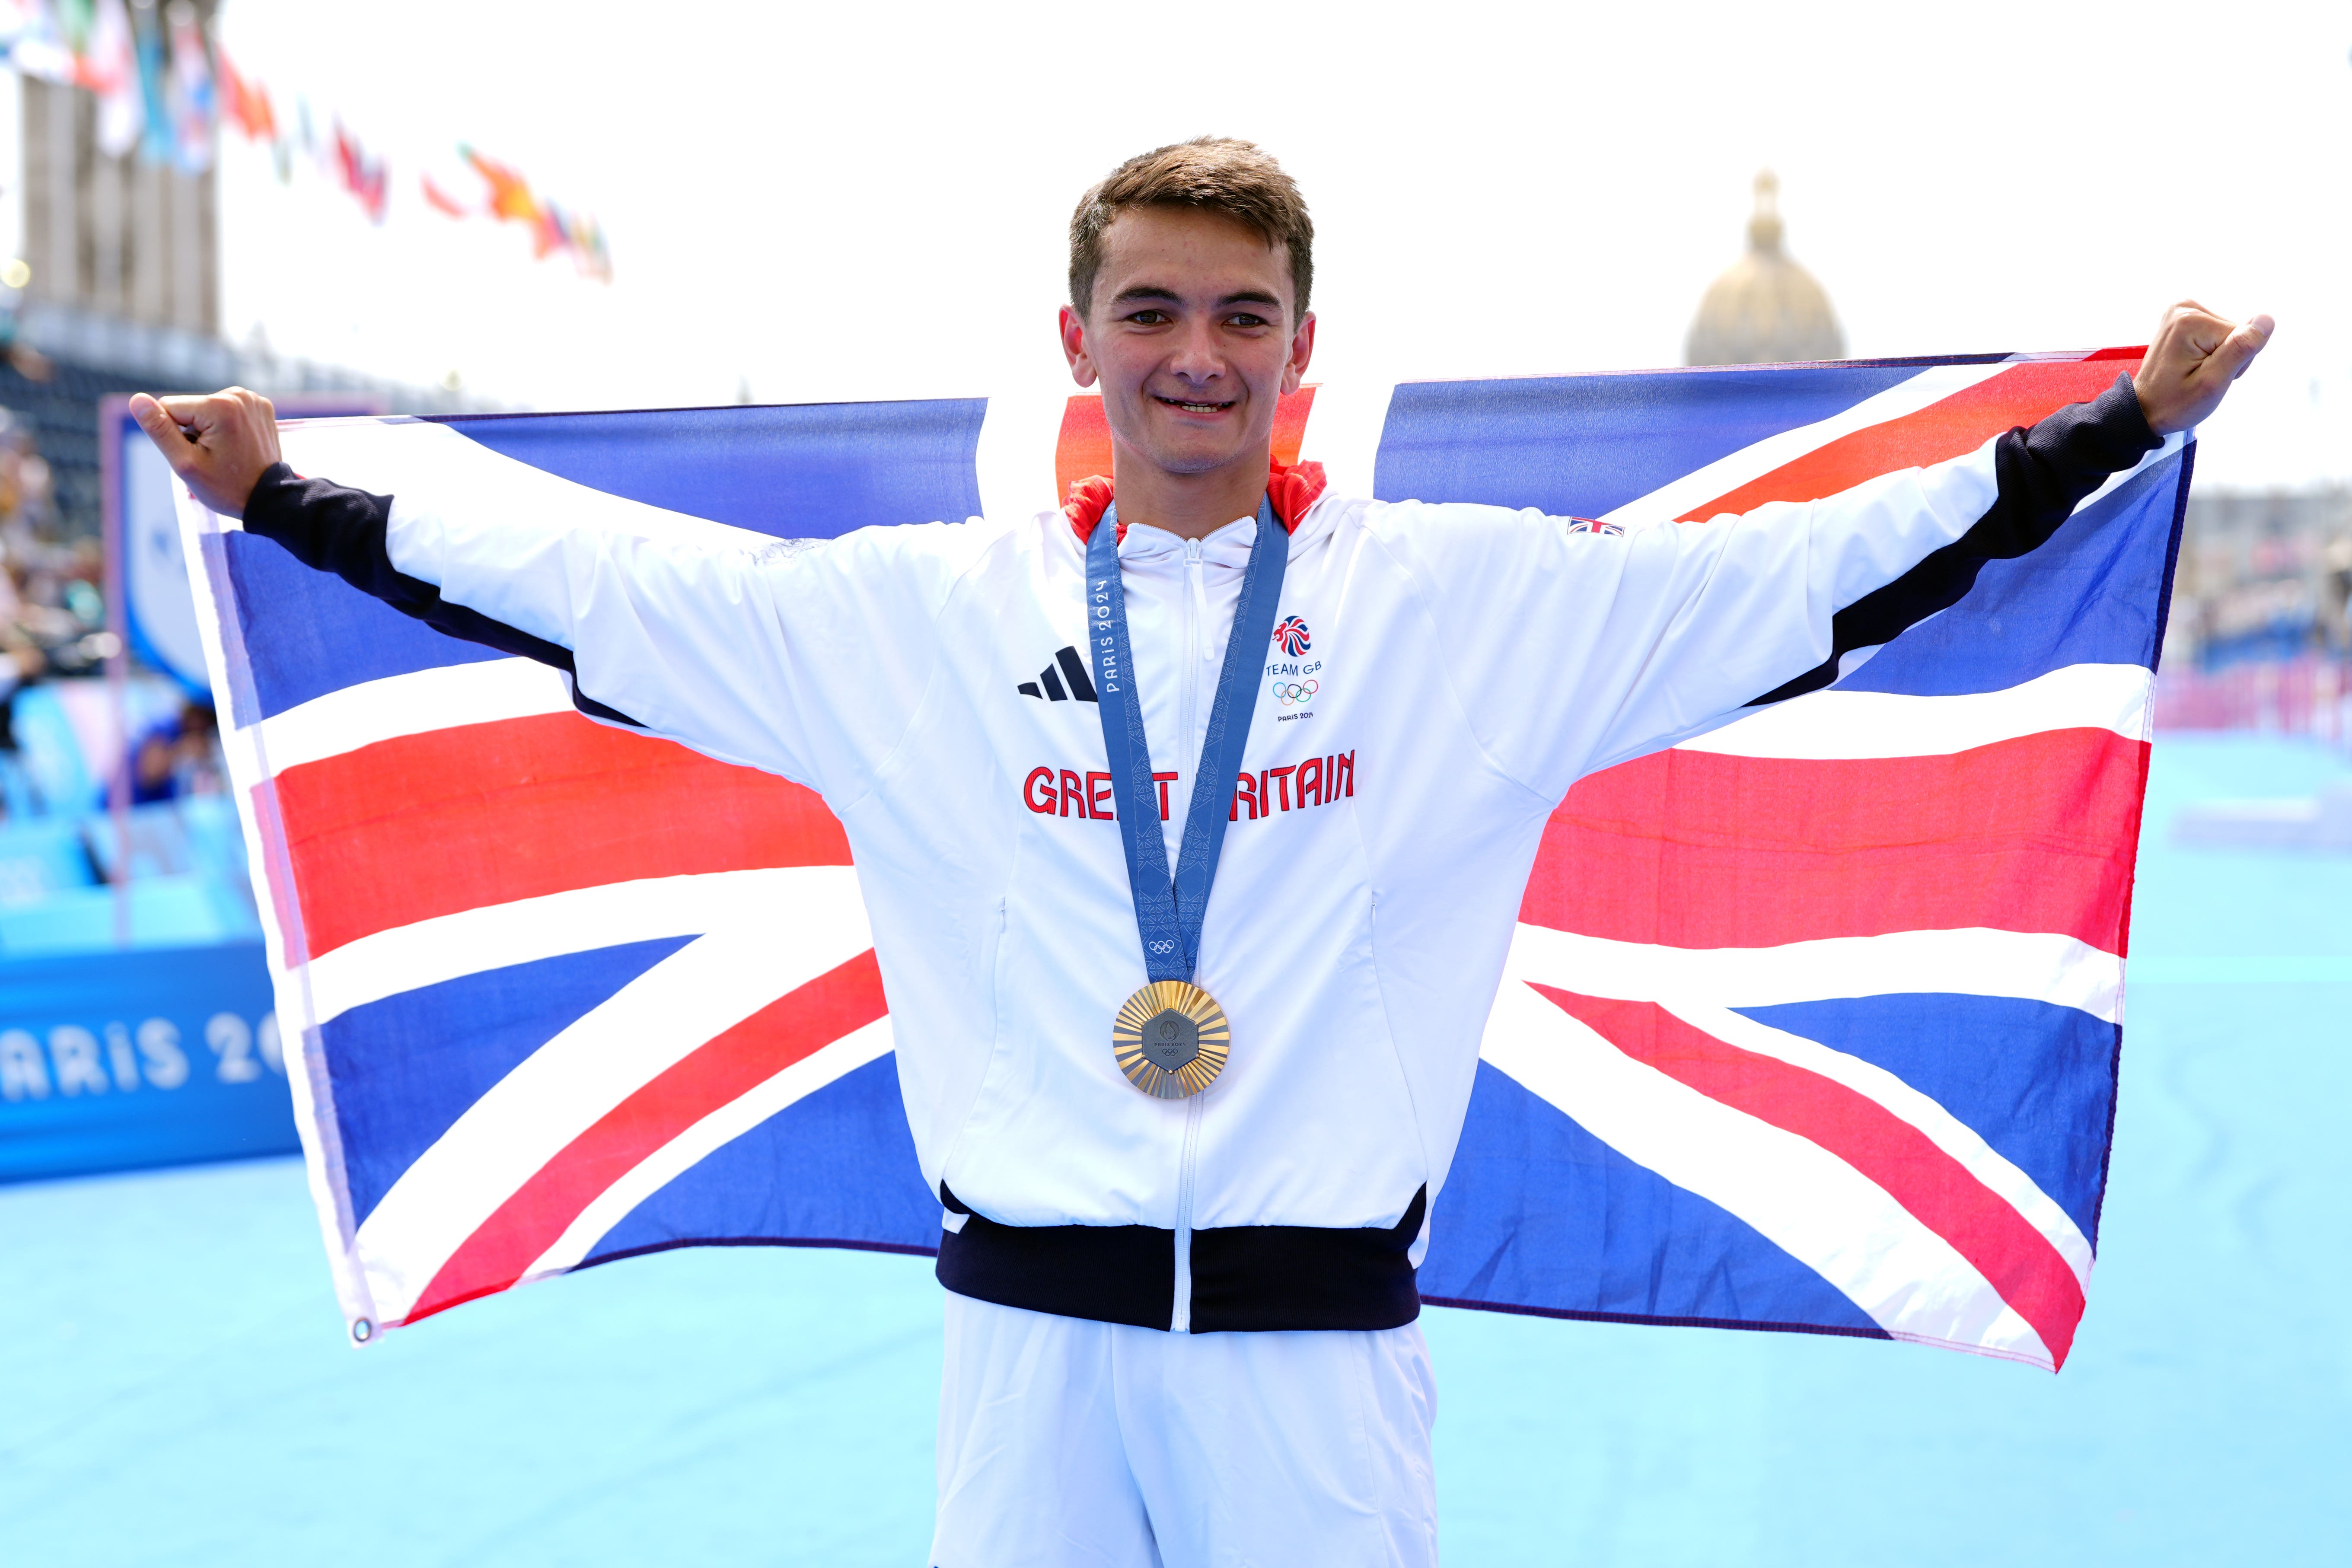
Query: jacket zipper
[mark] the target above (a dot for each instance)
(1180, 1316)
(1180, 1319)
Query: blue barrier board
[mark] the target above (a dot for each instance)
(110, 1061)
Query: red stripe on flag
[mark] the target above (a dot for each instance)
(1959, 424)
(714, 1074)
(1932, 1187)
(424, 825)
(1698, 849)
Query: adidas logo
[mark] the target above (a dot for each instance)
(1061, 685)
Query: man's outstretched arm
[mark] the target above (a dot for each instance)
(692, 630)
(2043, 473)
(326, 527)
(1587, 649)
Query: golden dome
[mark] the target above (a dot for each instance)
(1766, 310)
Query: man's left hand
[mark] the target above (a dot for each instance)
(2191, 360)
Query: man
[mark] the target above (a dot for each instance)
(1181, 1325)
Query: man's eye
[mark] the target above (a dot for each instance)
(1148, 317)
(1246, 320)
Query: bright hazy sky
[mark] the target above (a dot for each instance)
(857, 202)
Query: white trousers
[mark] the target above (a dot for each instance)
(1070, 1444)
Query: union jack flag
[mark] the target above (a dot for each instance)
(1812, 1023)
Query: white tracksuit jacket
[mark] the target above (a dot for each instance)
(1457, 668)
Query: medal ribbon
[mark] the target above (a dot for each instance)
(1168, 912)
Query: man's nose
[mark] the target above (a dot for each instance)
(1198, 356)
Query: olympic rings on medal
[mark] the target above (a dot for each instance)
(1292, 693)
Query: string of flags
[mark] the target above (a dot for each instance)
(164, 90)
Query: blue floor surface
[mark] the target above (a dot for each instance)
(174, 1388)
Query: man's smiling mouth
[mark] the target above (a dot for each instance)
(1192, 407)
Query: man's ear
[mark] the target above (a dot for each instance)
(1302, 349)
(1074, 347)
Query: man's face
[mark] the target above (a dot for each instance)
(1194, 335)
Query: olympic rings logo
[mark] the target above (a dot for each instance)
(1294, 693)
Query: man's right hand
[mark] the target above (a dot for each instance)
(219, 445)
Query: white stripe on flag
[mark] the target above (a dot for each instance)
(495, 936)
(1727, 474)
(413, 704)
(1835, 725)
(1799, 1196)
(562, 1089)
(1975, 961)
(722, 1127)
(1899, 1099)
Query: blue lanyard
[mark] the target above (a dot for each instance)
(1168, 913)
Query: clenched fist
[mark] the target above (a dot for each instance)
(2191, 360)
(217, 445)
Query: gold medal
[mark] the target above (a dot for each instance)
(1171, 1039)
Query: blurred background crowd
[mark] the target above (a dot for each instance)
(115, 826)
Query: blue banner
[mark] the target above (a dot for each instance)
(111, 1061)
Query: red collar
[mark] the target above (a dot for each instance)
(1293, 485)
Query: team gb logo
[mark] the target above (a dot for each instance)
(1291, 635)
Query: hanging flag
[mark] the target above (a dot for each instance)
(161, 89)
(441, 201)
(362, 176)
(157, 143)
(1796, 1033)
(110, 69)
(510, 199)
(194, 104)
(244, 104)
(586, 242)
(35, 41)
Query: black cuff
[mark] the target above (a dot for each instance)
(2083, 443)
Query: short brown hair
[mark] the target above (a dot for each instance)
(1211, 173)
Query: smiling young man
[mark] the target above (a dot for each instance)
(1186, 1128)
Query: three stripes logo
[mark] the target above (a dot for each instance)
(1060, 685)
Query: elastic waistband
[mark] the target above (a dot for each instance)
(1245, 1277)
